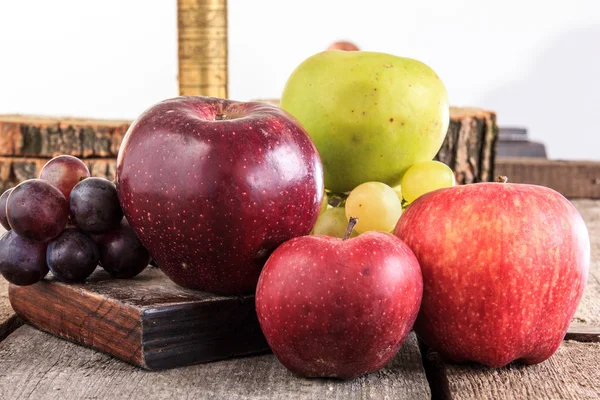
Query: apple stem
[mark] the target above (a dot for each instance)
(351, 224)
(220, 117)
(502, 179)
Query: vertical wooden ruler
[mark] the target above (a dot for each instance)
(202, 36)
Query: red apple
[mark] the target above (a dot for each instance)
(343, 45)
(213, 186)
(504, 267)
(338, 308)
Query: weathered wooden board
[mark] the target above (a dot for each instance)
(35, 136)
(573, 179)
(571, 373)
(147, 321)
(38, 366)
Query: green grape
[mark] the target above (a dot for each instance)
(398, 190)
(426, 177)
(332, 222)
(324, 203)
(376, 205)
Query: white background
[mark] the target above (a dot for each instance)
(535, 62)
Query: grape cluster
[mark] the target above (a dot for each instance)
(66, 222)
(379, 206)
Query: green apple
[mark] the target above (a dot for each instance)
(371, 115)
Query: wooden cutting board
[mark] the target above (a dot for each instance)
(147, 321)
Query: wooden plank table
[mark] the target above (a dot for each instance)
(35, 365)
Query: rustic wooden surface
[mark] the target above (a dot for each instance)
(34, 136)
(147, 321)
(574, 179)
(35, 365)
(571, 373)
(39, 366)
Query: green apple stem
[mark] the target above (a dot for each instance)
(351, 224)
(502, 179)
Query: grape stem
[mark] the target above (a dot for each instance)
(351, 224)
(502, 179)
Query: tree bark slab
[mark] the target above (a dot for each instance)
(35, 136)
(470, 144)
(14, 170)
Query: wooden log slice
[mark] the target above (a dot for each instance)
(34, 136)
(14, 170)
(470, 144)
(468, 148)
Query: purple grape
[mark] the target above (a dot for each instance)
(37, 210)
(121, 253)
(64, 172)
(95, 206)
(72, 256)
(22, 261)
(3, 219)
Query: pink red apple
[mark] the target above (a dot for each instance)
(338, 308)
(213, 186)
(504, 267)
(343, 45)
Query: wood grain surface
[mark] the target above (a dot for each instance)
(147, 321)
(571, 373)
(39, 366)
(35, 365)
(573, 179)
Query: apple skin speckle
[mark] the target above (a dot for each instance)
(504, 268)
(338, 308)
(213, 186)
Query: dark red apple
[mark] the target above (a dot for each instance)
(504, 267)
(338, 308)
(212, 187)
